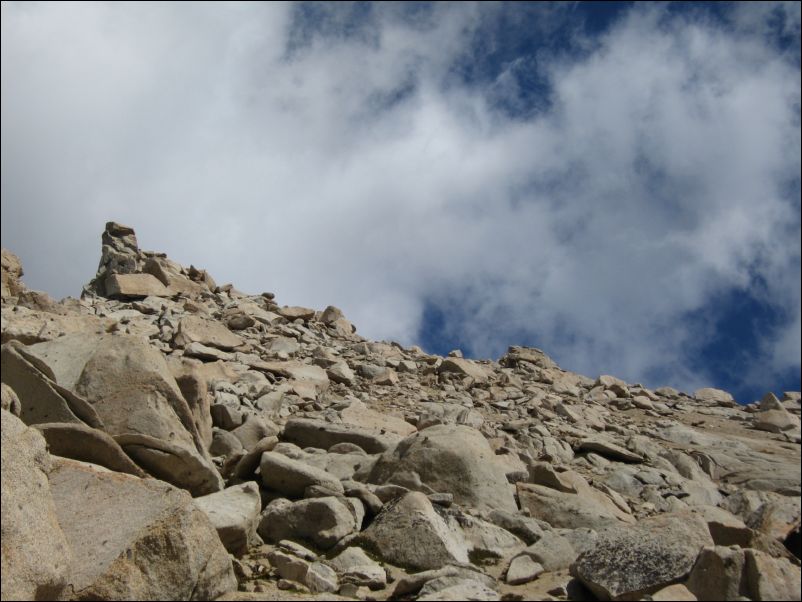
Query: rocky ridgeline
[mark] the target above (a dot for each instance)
(165, 438)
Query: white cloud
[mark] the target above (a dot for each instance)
(346, 172)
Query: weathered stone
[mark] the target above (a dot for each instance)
(321, 578)
(486, 540)
(522, 570)
(354, 566)
(317, 433)
(140, 539)
(40, 398)
(715, 396)
(552, 551)
(718, 574)
(456, 588)
(589, 508)
(340, 373)
(775, 421)
(296, 313)
(410, 533)
(628, 562)
(81, 442)
(725, 529)
(465, 367)
(234, 512)
(253, 430)
(194, 329)
(172, 463)
(10, 400)
(292, 477)
(674, 593)
(11, 274)
(128, 384)
(35, 553)
(137, 286)
(771, 578)
(608, 449)
(321, 521)
(449, 459)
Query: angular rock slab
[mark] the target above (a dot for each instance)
(292, 477)
(136, 286)
(172, 463)
(40, 398)
(626, 563)
(35, 552)
(590, 508)
(306, 432)
(194, 329)
(410, 533)
(81, 442)
(452, 459)
(322, 521)
(139, 539)
(234, 512)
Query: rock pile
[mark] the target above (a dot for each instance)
(167, 438)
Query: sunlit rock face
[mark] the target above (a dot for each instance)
(331, 465)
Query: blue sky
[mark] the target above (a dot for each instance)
(615, 183)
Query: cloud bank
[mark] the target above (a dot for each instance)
(606, 196)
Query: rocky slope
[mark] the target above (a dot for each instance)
(167, 438)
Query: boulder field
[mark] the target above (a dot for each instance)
(168, 438)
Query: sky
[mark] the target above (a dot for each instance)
(617, 184)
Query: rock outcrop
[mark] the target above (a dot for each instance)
(168, 438)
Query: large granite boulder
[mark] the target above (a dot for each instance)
(449, 458)
(35, 553)
(139, 539)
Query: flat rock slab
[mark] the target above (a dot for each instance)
(608, 449)
(629, 562)
(318, 433)
(194, 329)
(590, 508)
(140, 539)
(291, 477)
(130, 286)
(81, 442)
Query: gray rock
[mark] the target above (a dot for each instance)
(195, 329)
(81, 442)
(410, 533)
(714, 396)
(134, 286)
(449, 459)
(10, 401)
(590, 508)
(718, 574)
(353, 565)
(522, 570)
(317, 433)
(172, 463)
(552, 551)
(608, 449)
(36, 555)
(321, 521)
(140, 539)
(292, 477)
(629, 562)
(234, 512)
